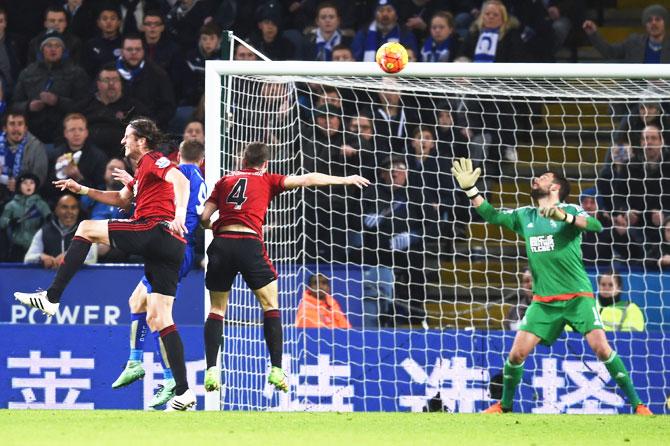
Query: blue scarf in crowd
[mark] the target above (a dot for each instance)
(9, 159)
(127, 74)
(324, 48)
(374, 40)
(434, 52)
(487, 44)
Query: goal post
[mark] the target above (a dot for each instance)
(428, 288)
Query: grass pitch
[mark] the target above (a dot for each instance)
(129, 428)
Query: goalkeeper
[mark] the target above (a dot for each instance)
(562, 292)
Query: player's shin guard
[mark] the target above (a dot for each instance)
(213, 334)
(512, 374)
(74, 258)
(174, 357)
(138, 332)
(620, 374)
(160, 355)
(273, 336)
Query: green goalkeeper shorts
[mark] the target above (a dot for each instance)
(547, 320)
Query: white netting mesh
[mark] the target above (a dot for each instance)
(415, 256)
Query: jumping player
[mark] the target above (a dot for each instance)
(155, 232)
(562, 292)
(191, 154)
(242, 199)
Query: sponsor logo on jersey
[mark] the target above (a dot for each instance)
(162, 162)
(541, 243)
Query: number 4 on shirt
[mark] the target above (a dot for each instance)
(237, 195)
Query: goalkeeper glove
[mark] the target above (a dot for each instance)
(557, 214)
(466, 176)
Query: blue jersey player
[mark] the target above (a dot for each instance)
(191, 154)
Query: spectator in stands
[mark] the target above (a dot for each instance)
(430, 173)
(456, 141)
(109, 110)
(535, 28)
(616, 313)
(494, 36)
(392, 239)
(442, 43)
(80, 17)
(22, 217)
(627, 237)
(642, 184)
(268, 39)
(342, 53)
(596, 246)
(327, 34)
(631, 126)
(360, 137)
(194, 130)
(145, 81)
(185, 19)
(55, 20)
(318, 308)
(106, 46)
(159, 47)
(48, 88)
(391, 118)
(662, 255)
(416, 15)
(192, 73)
(324, 151)
(651, 47)
(244, 53)
(384, 28)
(78, 158)
(20, 152)
(9, 61)
(100, 211)
(53, 239)
(520, 300)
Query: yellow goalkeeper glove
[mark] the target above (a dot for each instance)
(466, 176)
(557, 214)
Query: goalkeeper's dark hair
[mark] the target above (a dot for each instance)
(256, 154)
(564, 192)
(146, 128)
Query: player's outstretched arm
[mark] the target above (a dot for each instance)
(119, 198)
(467, 177)
(587, 223)
(319, 179)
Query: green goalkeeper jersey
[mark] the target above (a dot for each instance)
(553, 249)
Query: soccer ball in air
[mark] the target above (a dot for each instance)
(392, 57)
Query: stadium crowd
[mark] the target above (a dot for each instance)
(74, 72)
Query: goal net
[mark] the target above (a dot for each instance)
(433, 295)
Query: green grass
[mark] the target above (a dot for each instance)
(130, 428)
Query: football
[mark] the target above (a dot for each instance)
(392, 57)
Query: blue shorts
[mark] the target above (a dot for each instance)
(186, 266)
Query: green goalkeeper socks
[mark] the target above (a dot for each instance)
(618, 371)
(512, 375)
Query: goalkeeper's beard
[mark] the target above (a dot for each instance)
(537, 194)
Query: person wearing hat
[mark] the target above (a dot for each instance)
(269, 39)
(384, 28)
(55, 19)
(23, 216)
(651, 47)
(48, 88)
